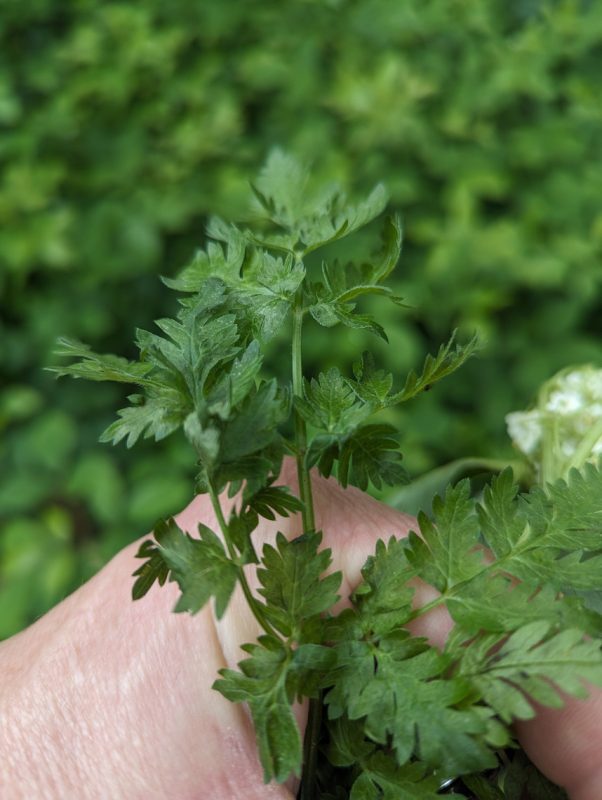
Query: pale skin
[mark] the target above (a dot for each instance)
(107, 698)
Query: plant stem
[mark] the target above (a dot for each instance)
(251, 601)
(314, 716)
(300, 427)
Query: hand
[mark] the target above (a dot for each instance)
(106, 698)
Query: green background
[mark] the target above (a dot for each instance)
(123, 125)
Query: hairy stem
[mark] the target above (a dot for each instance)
(300, 427)
(314, 718)
(251, 601)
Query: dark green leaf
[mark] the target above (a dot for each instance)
(262, 683)
(274, 500)
(201, 567)
(447, 360)
(292, 583)
(371, 455)
(445, 556)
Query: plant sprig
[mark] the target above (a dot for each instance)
(401, 715)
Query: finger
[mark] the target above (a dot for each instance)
(566, 744)
(103, 697)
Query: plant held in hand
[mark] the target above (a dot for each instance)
(391, 716)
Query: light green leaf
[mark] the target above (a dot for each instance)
(150, 418)
(495, 603)
(540, 536)
(531, 666)
(215, 261)
(342, 219)
(372, 385)
(96, 367)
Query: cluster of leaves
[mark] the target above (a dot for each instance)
(402, 715)
(203, 374)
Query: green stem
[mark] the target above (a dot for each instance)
(305, 491)
(314, 717)
(251, 601)
(310, 750)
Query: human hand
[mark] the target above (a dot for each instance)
(105, 698)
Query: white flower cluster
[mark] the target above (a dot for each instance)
(567, 418)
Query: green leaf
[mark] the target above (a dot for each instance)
(331, 405)
(309, 665)
(372, 385)
(215, 261)
(392, 237)
(382, 779)
(154, 417)
(447, 360)
(264, 683)
(267, 291)
(384, 597)
(96, 367)
(345, 313)
(347, 742)
(396, 686)
(292, 583)
(530, 666)
(496, 604)
(541, 539)
(255, 426)
(153, 569)
(574, 506)
(274, 500)
(482, 787)
(205, 439)
(332, 300)
(371, 455)
(444, 555)
(339, 219)
(309, 217)
(196, 343)
(281, 189)
(232, 387)
(201, 567)
(520, 778)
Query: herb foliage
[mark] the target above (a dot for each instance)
(400, 715)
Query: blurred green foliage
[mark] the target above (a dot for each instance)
(123, 125)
